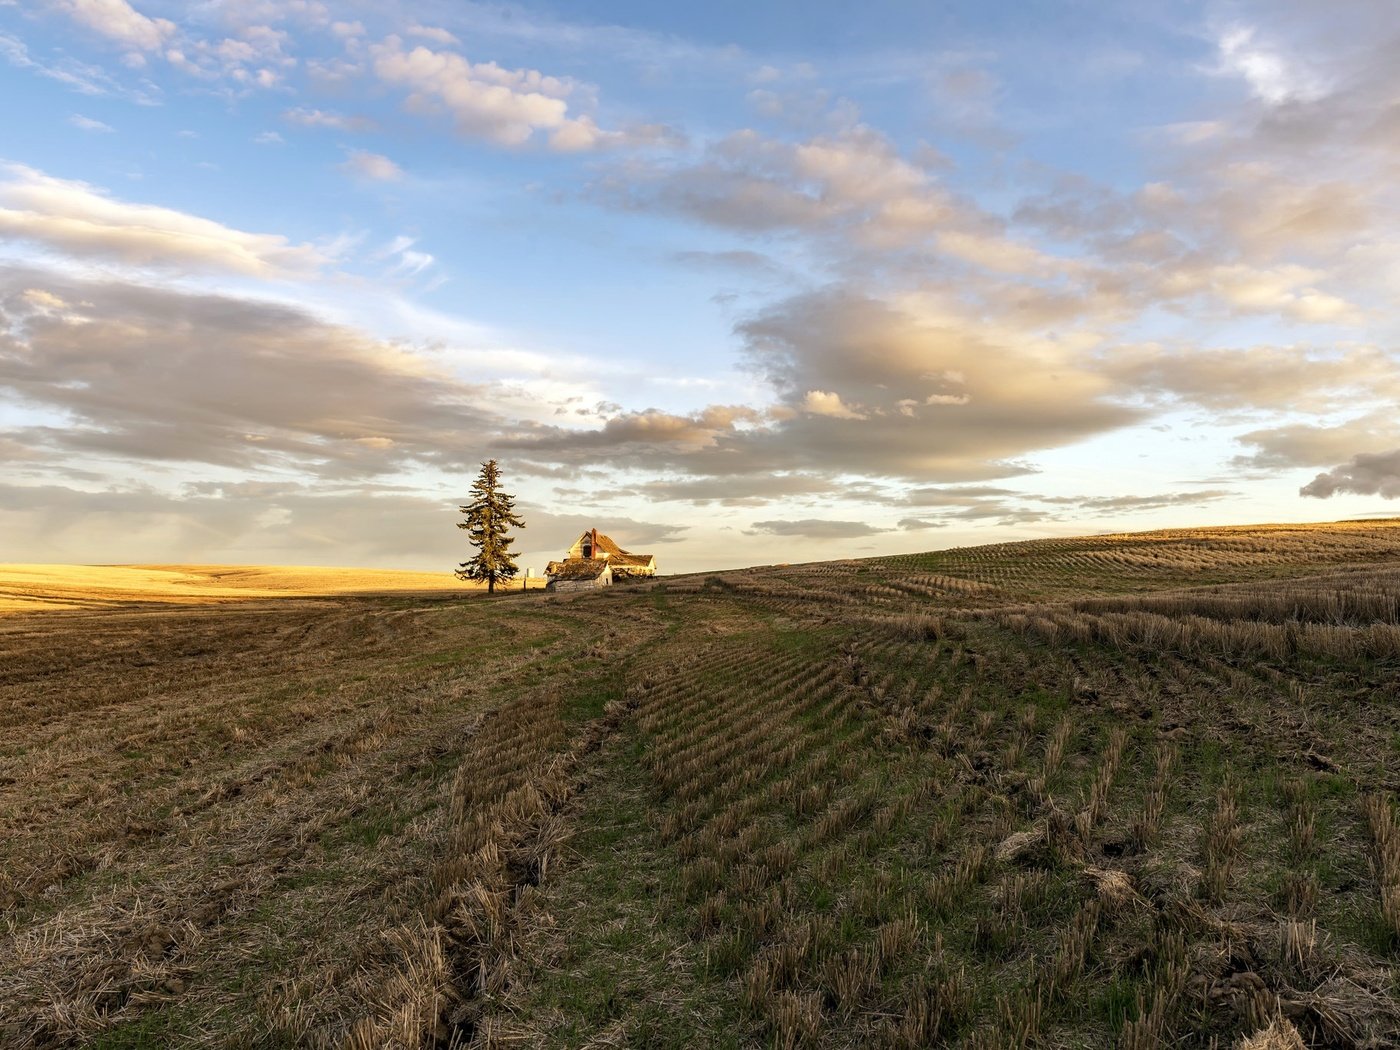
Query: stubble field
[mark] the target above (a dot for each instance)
(1111, 792)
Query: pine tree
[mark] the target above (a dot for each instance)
(490, 516)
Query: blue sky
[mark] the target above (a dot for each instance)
(736, 283)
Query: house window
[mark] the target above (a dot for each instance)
(587, 548)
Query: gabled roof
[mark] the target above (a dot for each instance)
(606, 544)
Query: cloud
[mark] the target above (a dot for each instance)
(268, 138)
(406, 261)
(854, 181)
(119, 21)
(941, 396)
(162, 376)
(242, 14)
(955, 496)
(945, 396)
(82, 77)
(817, 528)
(737, 491)
(1137, 503)
(1269, 377)
(1318, 444)
(554, 532)
(436, 34)
(80, 220)
(829, 404)
(978, 503)
(373, 166)
(1365, 474)
(271, 523)
(737, 260)
(1271, 76)
(505, 106)
(255, 57)
(320, 118)
(88, 124)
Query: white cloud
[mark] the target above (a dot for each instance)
(268, 138)
(436, 34)
(88, 123)
(256, 57)
(1272, 77)
(406, 261)
(117, 20)
(1286, 289)
(81, 220)
(506, 106)
(374, 166)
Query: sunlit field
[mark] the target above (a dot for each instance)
(1127, 791)
(35, 588)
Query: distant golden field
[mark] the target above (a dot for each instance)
(38, 587)
(1124, 792)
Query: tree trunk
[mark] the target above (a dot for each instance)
(490, 585)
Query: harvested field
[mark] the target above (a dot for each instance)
(1125, 791)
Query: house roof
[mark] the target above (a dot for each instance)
(606, 544)
(577, 569)
(614, 554)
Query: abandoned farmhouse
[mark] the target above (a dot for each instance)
(596, 561)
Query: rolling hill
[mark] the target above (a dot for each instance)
(1115, 791)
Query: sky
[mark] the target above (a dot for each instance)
(735, 283)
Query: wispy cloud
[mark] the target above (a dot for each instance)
(83, 123)
(320, 118)
(82, 77)
(817, 528)
(373, 166)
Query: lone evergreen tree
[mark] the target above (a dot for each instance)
(490, 516)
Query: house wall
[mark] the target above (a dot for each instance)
(563, 586)
(603, 579)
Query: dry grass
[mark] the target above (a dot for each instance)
(1117, 791)
(276, 821)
